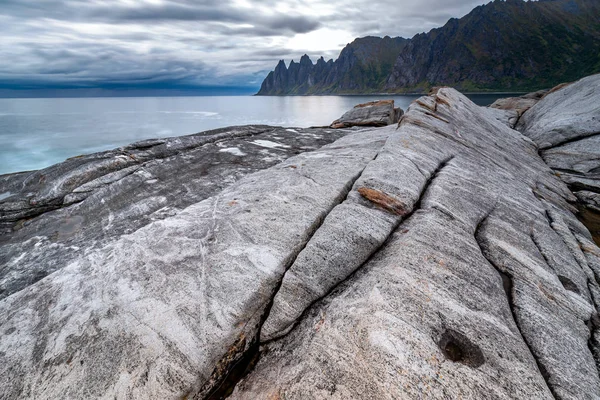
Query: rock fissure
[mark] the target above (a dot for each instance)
(539, 248)
(395, 228)
(566, 171)
(430, 180)
(570, 140)
(508, 286)
(593, 342)
(417, 166)
(246, 359)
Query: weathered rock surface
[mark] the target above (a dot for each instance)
(151, 314)
(481, 291)
(518, 105)
(58, 213)
(375, 113)
(437, 259)
(565, 124)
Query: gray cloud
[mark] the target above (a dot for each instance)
(185, 42)
(205, 12)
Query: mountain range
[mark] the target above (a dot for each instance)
(505, 45)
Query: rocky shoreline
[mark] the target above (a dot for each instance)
(437, 257)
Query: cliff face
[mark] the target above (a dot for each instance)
(363, 64)
(504, 45)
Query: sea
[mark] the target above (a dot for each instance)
(36, 133)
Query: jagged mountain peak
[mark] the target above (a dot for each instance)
(305, 60)
(365, 61)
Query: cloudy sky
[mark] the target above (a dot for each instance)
(187, 43)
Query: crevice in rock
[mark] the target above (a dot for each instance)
(518, 119)
(576, 186)
(236, 372)
(416, 207)
(444, 212)
(234, 367)
(593, 325)
(584, 267)
(571, 140)
(567, 171)
(549, 218)
(539, 248)
(437, 117)
(416, 166)
(507, 284)
(568, 284)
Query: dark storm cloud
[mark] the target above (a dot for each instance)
(205, 12)
(185, 42)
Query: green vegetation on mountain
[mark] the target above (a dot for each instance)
(510, 45)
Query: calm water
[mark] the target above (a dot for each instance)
(36, 133)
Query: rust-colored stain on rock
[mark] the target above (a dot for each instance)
(384, 201)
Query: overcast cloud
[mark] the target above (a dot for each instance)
(183, 43)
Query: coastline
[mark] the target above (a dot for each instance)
(435, 233)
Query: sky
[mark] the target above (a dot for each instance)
(183, 45)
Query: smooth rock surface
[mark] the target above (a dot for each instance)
(375, 113)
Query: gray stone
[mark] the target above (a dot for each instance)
(519, 104)
(569, 113)
(375, 113)
(482, 290)
(514, 107)
(160, 313)
(565, 124)
(88, 201)
(439, 258)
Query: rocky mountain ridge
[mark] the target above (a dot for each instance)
(501, 46)
(366, 62)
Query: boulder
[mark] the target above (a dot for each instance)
(375, 113)
(514, 107)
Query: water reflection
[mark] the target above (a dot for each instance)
(35, 133)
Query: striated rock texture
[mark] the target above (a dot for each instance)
(375, 113)
(439, 258)
(510, 45)
(150, 314)
(453, 269)
(565, 124)
(51, 216)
